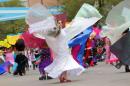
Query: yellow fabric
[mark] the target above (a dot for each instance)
(1, 43)
(12, 39)
(5, 44)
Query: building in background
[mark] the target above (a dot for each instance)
(45, 2)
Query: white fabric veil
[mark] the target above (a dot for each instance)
(39, 18)
(118, 20)
(86, 17)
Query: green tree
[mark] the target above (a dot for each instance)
(72, 6)
(11, 3)
(12, 26)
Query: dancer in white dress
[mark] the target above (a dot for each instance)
(57, 39)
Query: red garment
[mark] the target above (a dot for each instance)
(32, 41)
(88, 49)
(89, 44)
(75, 51)
(99, 50)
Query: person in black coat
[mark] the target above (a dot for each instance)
(21, 59)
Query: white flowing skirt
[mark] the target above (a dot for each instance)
(61, 64)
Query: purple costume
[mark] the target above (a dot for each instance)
(45, 60)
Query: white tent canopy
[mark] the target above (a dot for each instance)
(12, 13)
(13, 10)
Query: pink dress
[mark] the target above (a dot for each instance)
(110, 57)
(9, 58)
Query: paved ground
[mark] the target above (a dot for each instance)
(101, 75)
